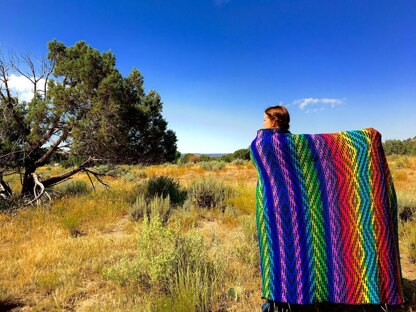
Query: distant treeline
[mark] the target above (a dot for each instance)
(243, 154)
(398, 147)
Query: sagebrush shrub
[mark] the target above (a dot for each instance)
(157, 206)
(209, 193)
(164, 186)
(174, 263)
(212, 165)
(75, 188)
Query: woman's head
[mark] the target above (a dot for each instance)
(276, 117)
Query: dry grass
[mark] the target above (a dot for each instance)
(53, 258)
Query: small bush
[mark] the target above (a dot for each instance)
(129, 177)
(208, 193)
(212, 165)
(75, 188)
(164, 186)
(406, 203)
(157, 206)
(111, 170)
(10, 203)
(174, 263)
(133, 176)
(142, 174)
(403, 162)
(409, 241)
(239, 161)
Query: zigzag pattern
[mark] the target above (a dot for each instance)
(326, 214)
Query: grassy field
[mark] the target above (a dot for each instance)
(96, 250)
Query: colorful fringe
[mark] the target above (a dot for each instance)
(326, 216)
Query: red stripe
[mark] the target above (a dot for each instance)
(344, 182)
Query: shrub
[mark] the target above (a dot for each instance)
(212, 165)
(157, 206)
(176, 264)
(409, 241)
(129, 177)
(406, 203)
(164, 186)
(239, 161)
(111, 170)
(75, 188)
(142, 174)
(208, 193)
(403, 162)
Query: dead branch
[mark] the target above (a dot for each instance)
(42, 192)
(5, 190)
(81, 168)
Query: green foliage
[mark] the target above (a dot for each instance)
(205, 158)
(239, 161)
(72, 161)
(88, 106)
(177, 264)
(212, 165)
(243, 153)
(74, 188)
(409, 240)
(187, 158)
(164, 186)
(209, 193)
(406, 203)
(158, 206)
(398, 147)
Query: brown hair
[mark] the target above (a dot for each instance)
(280, 114)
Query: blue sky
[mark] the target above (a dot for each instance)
(217, 64)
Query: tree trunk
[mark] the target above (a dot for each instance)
(28, 182)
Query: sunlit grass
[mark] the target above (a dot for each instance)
(53, 258)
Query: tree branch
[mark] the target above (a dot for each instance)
(41, 161)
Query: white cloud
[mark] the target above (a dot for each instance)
(321, 102)
(22, 87)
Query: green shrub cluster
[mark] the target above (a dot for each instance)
(212, 165)
(398, 147)
(209, 193)
(239, 161)
(174, 263)
(165, 186)
(74, 188)
(157, 206)
(406, 203)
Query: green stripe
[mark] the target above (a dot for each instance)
(313, 206)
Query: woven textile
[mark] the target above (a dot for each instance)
(326, 216)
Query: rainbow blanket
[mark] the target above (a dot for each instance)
(326, 216)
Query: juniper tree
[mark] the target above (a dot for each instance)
(82, 104)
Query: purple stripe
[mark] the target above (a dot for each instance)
(288, 181)
(279, 224)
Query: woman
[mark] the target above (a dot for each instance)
(276, 117)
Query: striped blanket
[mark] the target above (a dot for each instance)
(326, 216)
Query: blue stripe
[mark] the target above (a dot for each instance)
(272, 234)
